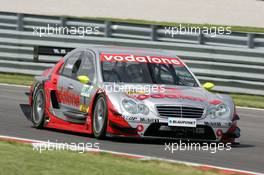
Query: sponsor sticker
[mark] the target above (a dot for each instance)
(84, 108)
(218, 124)
(86, 90)
(69, 98)
(184, 122)
(131, 118)
(131, 92)
(69, 66)
(140, 59)
(149, 120)
(144, 120)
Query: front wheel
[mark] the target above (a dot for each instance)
(100, 117)
(38, 108)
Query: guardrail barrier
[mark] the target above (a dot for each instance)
(235, 62)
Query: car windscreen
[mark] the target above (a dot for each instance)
(129, 69)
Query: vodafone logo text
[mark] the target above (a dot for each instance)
(140, 59)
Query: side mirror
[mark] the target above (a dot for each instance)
(208, 86)
(83, 79)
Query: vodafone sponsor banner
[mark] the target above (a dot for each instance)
(140, 59)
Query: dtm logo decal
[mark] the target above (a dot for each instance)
(68, 97)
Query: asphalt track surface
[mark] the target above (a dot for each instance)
(246, 156)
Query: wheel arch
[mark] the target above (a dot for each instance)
(35, 87)
(92, 105)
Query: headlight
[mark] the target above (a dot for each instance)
(219, 111)
(143, 109)
(222, 111)
(211, 113)
(134, 108)
(130, 106)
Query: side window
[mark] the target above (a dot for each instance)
(72, 65)
(87, 65)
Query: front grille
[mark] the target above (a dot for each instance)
(180, 111)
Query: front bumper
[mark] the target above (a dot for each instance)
(158, 128)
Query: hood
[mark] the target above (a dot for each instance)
(152, 95)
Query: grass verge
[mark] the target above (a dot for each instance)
(17, 158)
(248, 100)
(175, 24)
(240, 99)
(16, 79)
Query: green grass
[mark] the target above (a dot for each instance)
(21, 159)
(248, 100)
(16, 79)
(175, 24)
(240, 99)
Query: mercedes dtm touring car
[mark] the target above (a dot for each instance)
(112, 91)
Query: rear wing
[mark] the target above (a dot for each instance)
(46, 50)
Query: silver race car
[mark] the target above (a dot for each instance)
(116, 91)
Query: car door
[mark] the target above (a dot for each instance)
(75, 96)
(68, 85)
(87, 69)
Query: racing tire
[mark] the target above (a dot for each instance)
(100, 117)
(38, 107)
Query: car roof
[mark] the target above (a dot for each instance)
(131, 50)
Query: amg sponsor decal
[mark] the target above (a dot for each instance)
(141, 59)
